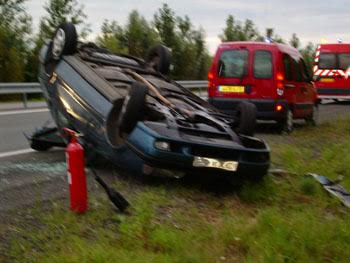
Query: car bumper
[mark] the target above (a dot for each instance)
(182, 154)
(333, 93)
(266, 108)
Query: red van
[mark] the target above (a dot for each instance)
(272, 76)
(331, 71)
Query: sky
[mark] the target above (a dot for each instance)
(311, 20)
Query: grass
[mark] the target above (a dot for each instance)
(287, 218)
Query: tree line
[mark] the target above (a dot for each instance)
(19, 48)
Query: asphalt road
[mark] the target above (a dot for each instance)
(14, 123)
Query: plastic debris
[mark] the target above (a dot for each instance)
(334, 188)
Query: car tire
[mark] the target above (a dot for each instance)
(286, 125)
(40, 146)
(159, 58)
(133, 108)
(313, 119)
(246, 116)
(64, 41)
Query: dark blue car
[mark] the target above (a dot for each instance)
(131, 113)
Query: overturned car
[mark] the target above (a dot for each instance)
(129, 112)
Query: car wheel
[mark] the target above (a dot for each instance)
(65, 41)
(159, 58)
(246, 116)
(313, 119)
(287, 125)
(40, 146)
(133, 108)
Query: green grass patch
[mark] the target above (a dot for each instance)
(287, 218)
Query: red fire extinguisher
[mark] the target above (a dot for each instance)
(76, 173)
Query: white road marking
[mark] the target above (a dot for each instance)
(18, 152)
(22, 111)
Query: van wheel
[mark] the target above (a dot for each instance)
(65, 41)
(313, 119)
(133, 108)
(159, 58)
(246, 116)
(287, 125)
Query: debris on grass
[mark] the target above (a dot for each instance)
(334, 188)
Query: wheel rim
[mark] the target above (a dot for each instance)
(58, 43)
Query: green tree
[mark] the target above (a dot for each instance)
(62, 11)
(295, 41)
(112, 37)
(190, 57)
(165, 23)
(230, 31)
(139, 35)
(308, 54)
(15, 28)
(58, 12)
(270, 33)
(236, 31)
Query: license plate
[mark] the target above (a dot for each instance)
(327, 80)
(215, 163)
(237, 89)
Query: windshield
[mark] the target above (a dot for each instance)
(334, 61)
(344, 61)
(233, 63)
(327, 61)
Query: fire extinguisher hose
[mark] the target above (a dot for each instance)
(115, 197)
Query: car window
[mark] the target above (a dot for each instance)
(344, 60)
(262, 64)
(306, 70)
(233, 63)
(304, 75)
(288, 73)
(297, 70)
(327, 61)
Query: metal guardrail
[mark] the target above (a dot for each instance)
(197, 86)
(20, 88)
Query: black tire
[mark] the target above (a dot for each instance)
(64, 41)
(159, 58)
(246, 116)
(286, 125)
(313, 119)
(133, 108)
(40, 146)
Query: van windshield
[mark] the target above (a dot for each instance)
(233, 63)
(327, 61)
(344, 61)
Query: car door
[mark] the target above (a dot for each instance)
(263, 82)
(299, 90)
(305, 96)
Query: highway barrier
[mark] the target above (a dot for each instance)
(199, 87)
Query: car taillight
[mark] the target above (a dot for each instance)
(280, 84)
(211, 84)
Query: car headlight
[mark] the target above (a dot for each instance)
(161, 145)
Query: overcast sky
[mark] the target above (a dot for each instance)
(311, 20)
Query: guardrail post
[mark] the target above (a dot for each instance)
(25, 100)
